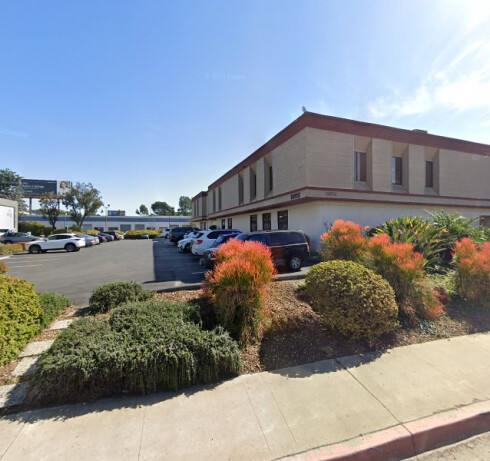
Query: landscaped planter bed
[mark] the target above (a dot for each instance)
(298, 336)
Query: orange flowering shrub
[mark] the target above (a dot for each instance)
(344, 240)
(237, 288)
(473, 270)
(403, 268)
(3, 268)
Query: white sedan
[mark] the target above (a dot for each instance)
(68, 242)
(186, 243)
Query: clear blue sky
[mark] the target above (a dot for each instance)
(155, 99)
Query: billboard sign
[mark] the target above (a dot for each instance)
(35, 188)
(116, 213)
(7, 217)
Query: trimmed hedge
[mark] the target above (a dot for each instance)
(143, 347)
(111, 295)
(52, 305)
(3, 268)
(11, 248)
(352, 299)
(136, 234)
(20, 316)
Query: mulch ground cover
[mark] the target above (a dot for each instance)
(298, 336)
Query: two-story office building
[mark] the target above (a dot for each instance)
(321, 168)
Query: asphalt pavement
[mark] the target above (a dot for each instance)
(156, 264)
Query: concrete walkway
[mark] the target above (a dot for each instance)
(266, 415)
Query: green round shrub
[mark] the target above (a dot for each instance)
(144, 347)
(352, 299)
(20, 316)
(111, 295)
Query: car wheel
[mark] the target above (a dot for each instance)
(294, 263)
(44, 251)
(34, 249)
(70, 247)
(187, 248)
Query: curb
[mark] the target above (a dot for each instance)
(408, 439)
(198, 286)
(4, 257)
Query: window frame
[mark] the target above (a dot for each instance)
(360, 166)
(280, 219)
(269, 224)
(429, 174)
(253, 217)
(397, 173)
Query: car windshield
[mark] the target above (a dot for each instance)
(242, 237)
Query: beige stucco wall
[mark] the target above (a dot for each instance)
(464, 175)
(329, 158)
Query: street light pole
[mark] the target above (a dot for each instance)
(106, 214)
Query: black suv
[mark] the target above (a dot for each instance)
(288, 248)
(177, 233)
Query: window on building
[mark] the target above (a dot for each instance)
(240, 189)
(230, 223)
(429, 174)
(253, 222)
(253, 185)
(223, 223)
(266, 221)
(282, 220)
(220, 202)
(396, 170)
(360, 166)
(271, 179)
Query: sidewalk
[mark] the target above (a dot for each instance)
(272, 414)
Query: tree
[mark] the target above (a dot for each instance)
(50, 208)
(82, 200)
(142, 210)
(185, 206)
(162, 209)
(11, 188)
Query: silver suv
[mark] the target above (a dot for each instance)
(17, 237)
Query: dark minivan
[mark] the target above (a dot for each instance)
(177, 233)
(288, 248)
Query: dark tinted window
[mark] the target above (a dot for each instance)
(266, 221)
(277, 239)
(282, 220)
(396, 170)
(258, 238)
(230, 223)
(253, 222)
(213, 235)
(223, 224)
(429, 174)
(296, 237)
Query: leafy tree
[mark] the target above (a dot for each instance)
(11, 189)
(185, 206)
(82, 200)
(50, 208)
(162, 209)
(142, 210)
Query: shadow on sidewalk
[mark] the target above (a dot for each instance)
(74, 410)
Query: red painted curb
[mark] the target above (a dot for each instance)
(407, 440)
(449, 427)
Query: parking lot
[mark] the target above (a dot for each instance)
(156, 264)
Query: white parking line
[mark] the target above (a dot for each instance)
(29, 260)
(26, 265)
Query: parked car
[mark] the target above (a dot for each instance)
(17, 237)
(177, 233)
(207, 239)
(115, 235)
(186, 243)
(209, 255)
(108, 237)
(163, 234)
(145, 236)
(288, 248)
(102, 238)
(89, 239)
(68, 242)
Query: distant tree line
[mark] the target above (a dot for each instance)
(160, 208)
